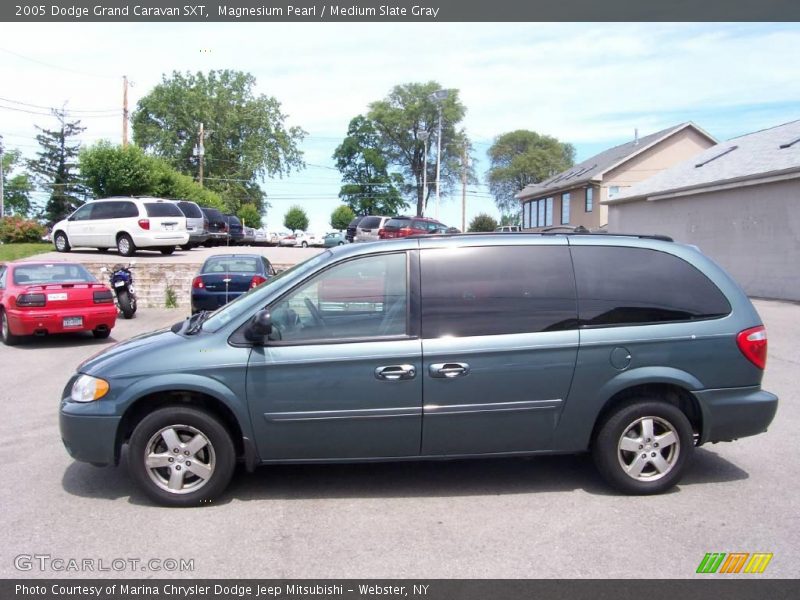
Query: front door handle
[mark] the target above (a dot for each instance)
(448, 370)
(396, 372)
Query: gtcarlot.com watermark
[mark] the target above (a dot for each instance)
(61, 564)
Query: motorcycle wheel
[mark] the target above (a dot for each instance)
(127, 304)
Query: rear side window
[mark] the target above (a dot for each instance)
(630, 286)
(191, 210)
(497, 290)
(114, 209)
(398, 223)
(162, 209)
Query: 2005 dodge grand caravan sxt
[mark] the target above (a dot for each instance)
(632, 347)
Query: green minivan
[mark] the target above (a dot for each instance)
(634, 348)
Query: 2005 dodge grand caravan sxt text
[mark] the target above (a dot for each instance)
(632, 347)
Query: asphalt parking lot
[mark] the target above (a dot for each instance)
(521, 518)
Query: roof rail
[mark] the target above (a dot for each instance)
(577, 231)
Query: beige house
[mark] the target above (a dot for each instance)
(739, 202)
(574, 197)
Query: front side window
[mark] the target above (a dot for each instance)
(630, 286)
(497, 290)
(84, 213)
(589, 199)
(362, 298)
(565, 200)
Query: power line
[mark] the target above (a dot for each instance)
(57, 67)
(64, 112)
(72, 110)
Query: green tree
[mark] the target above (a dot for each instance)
(110, 170)
(483, 222)
(369, 188)
(17, 186)
(402, 119)
(341, 217)
(246, 135)
(249, 215)
(55, 169)
(295, 218)
(519, 158)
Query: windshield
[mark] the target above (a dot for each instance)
(248, 301)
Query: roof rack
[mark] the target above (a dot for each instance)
(576, 231)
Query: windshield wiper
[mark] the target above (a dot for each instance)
(196, 322)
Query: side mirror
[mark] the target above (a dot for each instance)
(260, 326)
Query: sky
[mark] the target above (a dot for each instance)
(589, 84)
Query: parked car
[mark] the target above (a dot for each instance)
(129, 224)
(235, 230)
(225, 277)
(301, 239)
(196, 224)
(369, 228)
(261, 237)
(350, 234)
(249, 236)
(399, 227)
(41, 298)
(594, 341)
(217, 228)
(508, 229)
(334, 238)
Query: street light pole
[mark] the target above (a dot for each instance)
(439, 97)
(423, 135)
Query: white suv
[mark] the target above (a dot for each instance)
(125, 223)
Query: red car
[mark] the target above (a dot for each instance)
(400, 227)
(38, 298)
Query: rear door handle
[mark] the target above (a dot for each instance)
(396, 372)
(448, 370)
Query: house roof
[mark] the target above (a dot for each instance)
(751, 157)
(592, 169)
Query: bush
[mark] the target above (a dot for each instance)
(16, 230)
(482, 222)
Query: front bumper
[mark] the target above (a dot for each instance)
(733, 413)
(30, 322)
(88, 437)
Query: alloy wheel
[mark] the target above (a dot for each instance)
(179, 459)
(648, 449)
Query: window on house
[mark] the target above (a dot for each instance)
(589, 199)
(565, 199)
(526, 214)
(548, 212)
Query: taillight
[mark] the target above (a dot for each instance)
(30, 300)
(256, 281)
(381, 233)
(753, 344)
(405, 231)
(197, 283)
(144, 223)
(103, 297)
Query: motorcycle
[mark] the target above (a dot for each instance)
(121, 280)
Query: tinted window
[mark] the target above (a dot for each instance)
(370, 222)
(497, 290)
(191, 210)
(53, 273)
(162, 209)
(114, 210)
(397, 223)
(232, 220)
(623, 286)
(361, 298)
(125, 210)
(103, 210)
(213, 214)
(354, 223)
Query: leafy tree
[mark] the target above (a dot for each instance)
(341, 217)
(511, 218)
(483, 222)
(249, 215)
(296, 218)
(246, 136)
(523, 157)
(110, 170)
(16, 230)
(17, 188)
(55, 168)
(369, 188)
(399, 119)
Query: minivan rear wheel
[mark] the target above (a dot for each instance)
(644, 446)
(181, 456)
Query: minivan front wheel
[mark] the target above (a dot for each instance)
(644, 446)
(61, 242)
(181, 456)
(125, 245)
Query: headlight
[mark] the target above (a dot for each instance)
(87, 388)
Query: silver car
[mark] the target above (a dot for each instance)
(196, 224)
(369, 227)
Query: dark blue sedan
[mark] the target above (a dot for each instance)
(224, 277)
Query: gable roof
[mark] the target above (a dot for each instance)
(595, 167)
(752, 157)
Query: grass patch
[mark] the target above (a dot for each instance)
(171, 299)
(9, 252)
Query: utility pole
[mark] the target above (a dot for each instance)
(124, 111)
(200, 152)
(464, 164)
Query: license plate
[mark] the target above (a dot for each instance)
(56, 296)
(73, 321)
(119, 283)
(169, 227)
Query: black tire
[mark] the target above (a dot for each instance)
(8, 338)
(101, 334)
(127, 304)
(304, 244)
(217, 456)
(187, 246)
(340, 244)
(629, 421)
(167, 250)
(125, 245)
(61, 242)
